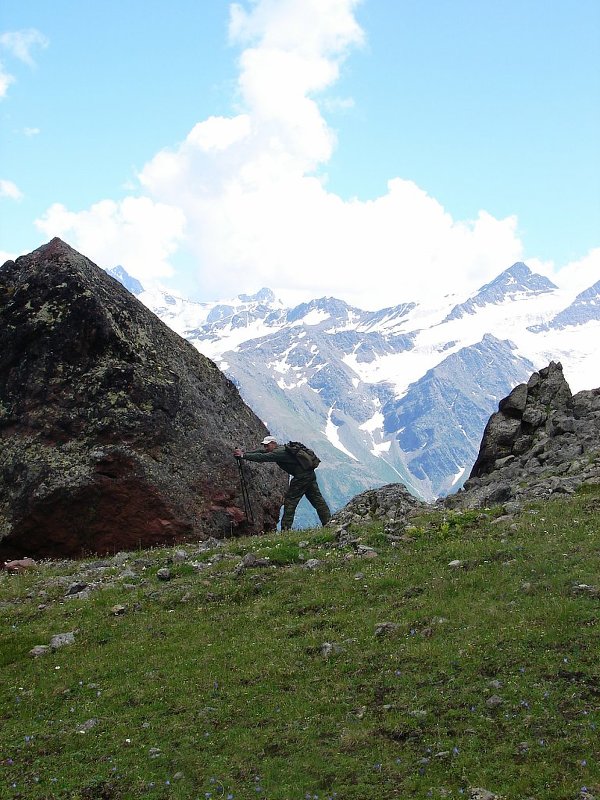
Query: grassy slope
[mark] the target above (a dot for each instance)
(215, 684)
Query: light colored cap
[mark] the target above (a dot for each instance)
(268, 440)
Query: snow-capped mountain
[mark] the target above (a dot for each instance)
(399, 394)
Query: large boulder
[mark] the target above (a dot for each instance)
(115, 432)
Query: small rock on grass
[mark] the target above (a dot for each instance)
(62, 639)
(494, 701)
(39, 650)
(482, 794)
(385, 628)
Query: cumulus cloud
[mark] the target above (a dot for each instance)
(580, 274)
(21, 44)
(5, 81)
(137, 233)
(251, 194)
(10, 190)
(259, 212)
(6, 256)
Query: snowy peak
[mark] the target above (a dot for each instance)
(264, 295)
(128, 281)
(324, 310)
(391, 319)
(585, 308)
(515, 282)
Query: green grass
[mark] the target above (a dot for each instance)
(216, 684)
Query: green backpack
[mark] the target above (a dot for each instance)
(306, 457)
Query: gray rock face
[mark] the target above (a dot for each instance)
(542, 441)
(392, 502)
(115, 432)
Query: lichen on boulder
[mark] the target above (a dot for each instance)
(115, 432)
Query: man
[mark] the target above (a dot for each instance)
(303, 481)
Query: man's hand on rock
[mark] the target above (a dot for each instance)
(238, 452)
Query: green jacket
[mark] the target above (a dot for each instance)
(284, 460)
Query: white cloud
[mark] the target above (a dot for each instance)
(5, 81)
(257, 210)
(6, 256)
(20, 44)
(581, 274)
(10, 190)
(255, 206)
(137, 233)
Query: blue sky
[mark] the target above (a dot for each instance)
(379, 151)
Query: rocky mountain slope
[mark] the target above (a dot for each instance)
(402, 393)
(115, 432)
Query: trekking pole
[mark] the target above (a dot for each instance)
(245, 495)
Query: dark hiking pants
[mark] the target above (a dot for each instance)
(298, 488)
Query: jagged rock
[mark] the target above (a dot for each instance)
(116, 433)
(542, 441)
(378, 504)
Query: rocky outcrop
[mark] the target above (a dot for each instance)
(392, 503)
(541, 441)
(115, 433)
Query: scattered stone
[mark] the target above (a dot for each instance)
(62, 640)
(127, 573)
(494, 701)
(312, 563)
(39, 650)
(366, 552)
(331, 648)
(456, 564)
(19, 565)
(87, 725)
(251, 561)
(76, 588)
(386, 628)
(526, 587)
(118, 610)
(584, 588)
(495, 684)
(482, 794)
(164, 574)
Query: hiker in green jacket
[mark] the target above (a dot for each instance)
(303, 481)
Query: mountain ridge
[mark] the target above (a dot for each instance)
(324, 371)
